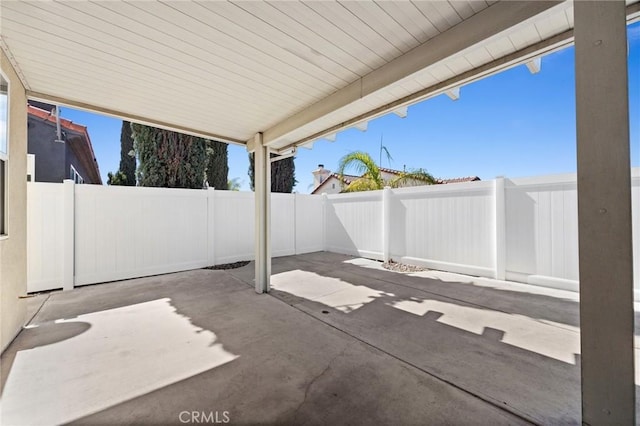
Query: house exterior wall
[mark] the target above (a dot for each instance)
(50, 155)
(53, 159)
(331, 186)
(72, 159)
(13, 247)
(387, 176)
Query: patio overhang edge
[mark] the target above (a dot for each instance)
(495, 19)
(544, 47)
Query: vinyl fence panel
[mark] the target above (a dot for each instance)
(353, 224)
(127, 232)
(45, 212)
(449, 227)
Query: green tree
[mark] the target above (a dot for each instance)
(217, 164)
(371, 177)
(127, 155)
(283, 174)
(234, 184)
(169, 159)
(118, 178)
(126, 174)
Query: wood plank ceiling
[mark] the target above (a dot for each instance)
(231, 69)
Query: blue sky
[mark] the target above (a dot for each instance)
(512, 124)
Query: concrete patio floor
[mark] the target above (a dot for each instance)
(339, 340)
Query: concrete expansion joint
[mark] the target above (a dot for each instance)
(318, 377)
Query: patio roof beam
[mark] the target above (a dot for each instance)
(43, 97)
(604, 214)
(487, 23)
(498, 65)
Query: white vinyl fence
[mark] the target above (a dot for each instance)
(517, 229)
(85, 234)
(523, 230)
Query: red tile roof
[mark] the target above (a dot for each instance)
(47, 116)
(458, 180)
(452, 180)
(347, 179)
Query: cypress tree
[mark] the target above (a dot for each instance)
(217, 165)
(169, 159)
(127, 155)
(283, 174)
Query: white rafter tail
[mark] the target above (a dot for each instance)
(362, 126)
(331, 137)
(308, 145)
(453, 94)
(402, 112)
(534, 65)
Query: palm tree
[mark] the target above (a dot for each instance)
(234, 184)
(371, 178)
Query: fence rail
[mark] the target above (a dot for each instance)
(518, 229)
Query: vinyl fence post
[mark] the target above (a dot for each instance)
(68, 235)
(500, 240)
(325, 201)
(295, 223)
(211, 225)
(386, 223)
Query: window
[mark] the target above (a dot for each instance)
(75, 176)
(4, 153)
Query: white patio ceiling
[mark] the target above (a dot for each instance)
(292, 70)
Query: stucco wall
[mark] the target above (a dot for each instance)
(50, 155)
(13, 249)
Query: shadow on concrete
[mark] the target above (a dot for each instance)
(340, 342)
(94, 348)
(280, 366)
(515, 349)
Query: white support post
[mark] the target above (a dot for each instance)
(262, 168)
(211, 225)
(325, 205)
(500, 240)
(386, 223)
(604, 213)
(68, 235)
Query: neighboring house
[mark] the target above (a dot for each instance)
(55, 158)
(331, 183)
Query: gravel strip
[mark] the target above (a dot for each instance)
(402, 267)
